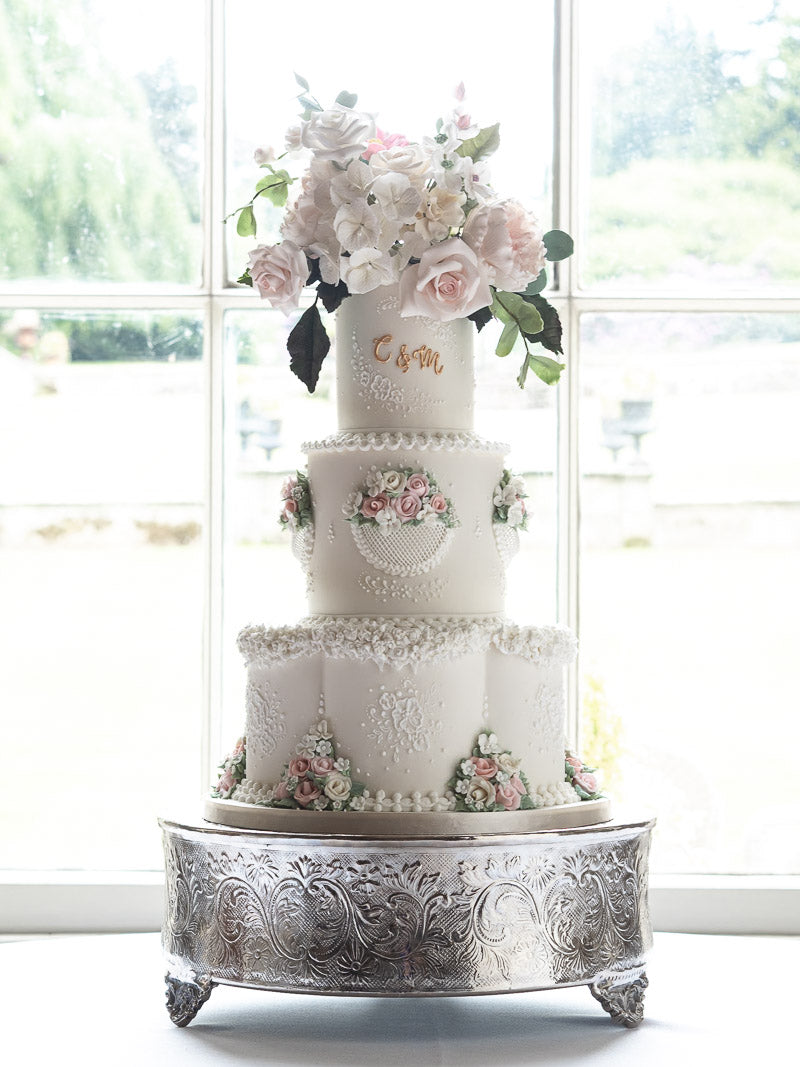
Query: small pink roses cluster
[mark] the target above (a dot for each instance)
(232, 771)
(490, 780)
(296, 509)
(315, 779)
(583, 779)
(392, 498)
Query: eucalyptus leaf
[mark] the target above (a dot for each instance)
(347, 99)
(482, 145)
(308, 345)
(309, 103)
(559, 245)
(508, 338)
(301, 82)
(545, 368)
(537, 285)
(246, 223)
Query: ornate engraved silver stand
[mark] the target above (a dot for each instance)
(394, 916)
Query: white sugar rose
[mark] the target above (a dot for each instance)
(403, 159)
(447, 283)
(394, 482)
(367, 269)
(480, 792)
(337, 786)
(508, 239)
(507, 763)
(339, 134)
(279, 272)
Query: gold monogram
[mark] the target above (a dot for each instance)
(424, 356)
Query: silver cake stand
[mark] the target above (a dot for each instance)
(352, 914)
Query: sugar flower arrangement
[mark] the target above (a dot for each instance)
(583, 779)
(394, 498)
(231, 771)
(375, 209)
(296, 511)
(509, 501)
(490, 780)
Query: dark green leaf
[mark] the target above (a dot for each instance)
(549, 336)
(347, 99)
(246, 223)
(481, 317)
(332, 295)
(308, 346)
(559, 245)
(482, 145)
(508, 339)
(245, 278)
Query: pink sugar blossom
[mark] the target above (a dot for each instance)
(299, 766)
(384, 140)
(438, 503)
(516, 782)
(371, 505)
(417, 483)
(586, 781)
(281, 791)
(508, 796)
(321, 765)
(575, 763)
(226, 783)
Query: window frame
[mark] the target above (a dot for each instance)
(37, 902)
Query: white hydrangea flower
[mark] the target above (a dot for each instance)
(488, 744)
(396, 196)
(388, 520)
(351, 184)
(516, 514)
(357, 225)
(352, 505)
(367, 269)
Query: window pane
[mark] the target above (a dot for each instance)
(690, 579)
(691, 170)
(101, 483)
(101, 149)
(408, 93)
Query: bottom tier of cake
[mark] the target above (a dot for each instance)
(404, 714)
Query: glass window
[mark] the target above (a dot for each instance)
(101, 142)
(101, 571)
(692, 151)
(690, 578)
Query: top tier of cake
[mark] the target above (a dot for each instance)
(401, 373)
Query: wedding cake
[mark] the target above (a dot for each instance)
(405, 691)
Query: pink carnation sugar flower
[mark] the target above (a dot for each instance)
(383, 140)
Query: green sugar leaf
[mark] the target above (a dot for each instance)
(559, 245)
(246, 223)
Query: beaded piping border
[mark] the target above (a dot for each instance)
(402, 441)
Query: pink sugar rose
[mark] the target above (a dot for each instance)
(417, 483)
(371, 505)
(516, 782)
(299, 766)
(279, 272)
(321, 765)
(508, 796)
(226, 783)
(575, 763)
(407, 506)
(289, 508)
(438, 504)
(288, 487)
(587, 781)
(484, 768)
(449, 282)
(281, 791)
(306, 792)
(383, 140)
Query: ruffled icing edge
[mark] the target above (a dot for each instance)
(405, 641)
(406, 440)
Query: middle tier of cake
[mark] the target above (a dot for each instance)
(432, 547)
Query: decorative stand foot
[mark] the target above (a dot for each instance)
(622, 996)
(185, 999)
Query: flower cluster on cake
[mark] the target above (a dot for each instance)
(375, 209)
